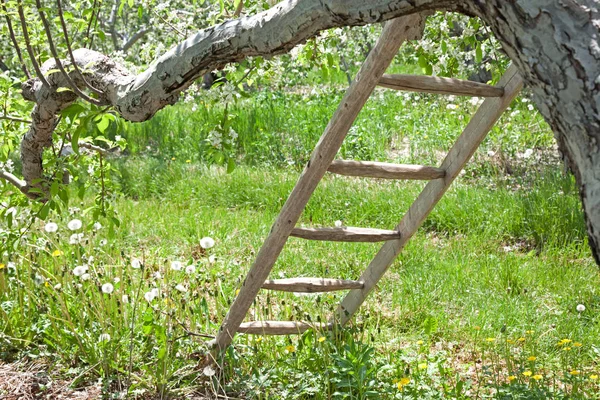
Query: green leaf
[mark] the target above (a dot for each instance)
(130, 3)
(43, 214)
(230, 165)
(103, 123)
(75, 139)
(54, 189)
(478, 53)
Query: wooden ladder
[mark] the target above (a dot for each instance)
(370, 75)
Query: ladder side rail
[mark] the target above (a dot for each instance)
(394, 34)
(473, 134)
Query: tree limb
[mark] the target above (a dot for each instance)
(133, 40)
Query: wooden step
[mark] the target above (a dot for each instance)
(311, 285)
(346, 234)
(280, 327)
(385, 170)
(436, 84)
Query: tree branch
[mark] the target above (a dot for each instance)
(13, 180)
(133, 40)
(34, 62)
(13, 39)
(14, 119)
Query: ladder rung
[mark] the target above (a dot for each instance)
(385, 170)
(436, 84)
(311, 285)
(280, 327)
(346, 234)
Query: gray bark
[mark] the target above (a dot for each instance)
(553, 43)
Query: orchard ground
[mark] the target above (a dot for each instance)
(497, 295)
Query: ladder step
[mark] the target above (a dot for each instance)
(311, 285)
(280, 327)
(436, 84)
(385, 170)
(346, 234)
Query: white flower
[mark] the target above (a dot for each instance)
(117, 280)
(125, 299)
(151, 295)
(338, 224)
(74, 224)
(136, 263)
(208, 371)
(451, 106)
(190, 269)
(491, 153)
(105, 337)
(212, 259)
(85, 277)
(580, 308)
(57, 286)
(176, 265)
(207, 242)
(527, 153)
(97, 226)
(103, 242)
(51, 227)
(108, 288)
(38, 279)
(80, 270)
(157, 275)
(181, 288)
(474, 101)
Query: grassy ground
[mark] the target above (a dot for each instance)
(482, 302)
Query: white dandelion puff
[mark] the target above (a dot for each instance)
(74, 224)
(181, 288)
(80, 270)
(85, 277)
(108, 288)
(51, 227)
(105, 337)
(176, 265)
(136, 263)
(207, 242)
(97, 226)
(209, 371)
(580, 308)
(190, 269)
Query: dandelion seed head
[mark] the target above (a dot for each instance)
(80, 270)
(85, 277)
(51, 227)
(181, 288)
(97, 226)
(190, 269)
(176, 265)
(136, 263)
(105, 337)
(207, 242)
(108, 288)
(74, 224)
(580, 308)
(209, 371)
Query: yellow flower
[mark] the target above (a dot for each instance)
(258, 339)
(490, 339)
(510, 341)
(575, 372)
(419, 342)
(321, 339)
(422, 365)
(237, 292)
(477, 328)
(593, 377)
(57, 253)
(521, 339)
(566, 349)
(511, 378)
(531, 358)
(2, 266)
(564, 341)
(46, 284)
(405, 381)
(537, 377)
(188, 161)
(527, 373)
(577, 344)
(173, 158)
(290, 348)
(529, 332)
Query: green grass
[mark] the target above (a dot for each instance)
(492, 278)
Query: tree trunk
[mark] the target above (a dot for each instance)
(554, 44)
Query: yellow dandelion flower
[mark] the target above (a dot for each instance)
(521, 339)
(477, 328)
(321, 339)
(173, 158)
(290, 348)
(399, 386)
(405, 381)
(537, 377)
(57, 253)
(422, 365)
(420, 342)
(529, 332)
(258, 339)
(510, 341)
(46, 284)
(577, 344)
(2, 266)
(531, 358)
(575, 372)
(188, 161)
(594, 377)
(511, 378)
(564, 341)
(490, 339)
(566, 348)
(237, 292)
(527, 373)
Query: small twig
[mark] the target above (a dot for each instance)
(238, 10)
(70, 50)
(168, 23)
(90, 146)
(34, 62)
(245, 75)
(13, 38)
(57, 59)
(89, 27)
(136, 36)
(14, 119)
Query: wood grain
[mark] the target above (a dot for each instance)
(373, 169)
(311, 285)
(279, 327)
(346, 234)
(439, 85)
